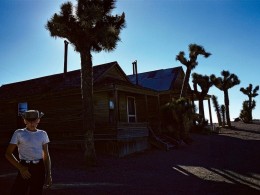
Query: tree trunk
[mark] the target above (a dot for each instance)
(216, 105)
(223, 112)
(250, 108)
(227, 107)
(185, 83)
(88, 108)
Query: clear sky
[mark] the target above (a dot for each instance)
(155, 33)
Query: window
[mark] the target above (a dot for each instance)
(111, 105)
(111, 111)
(22, 107)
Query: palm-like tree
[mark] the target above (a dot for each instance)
(246, 110)
(181, 113)
(251, 93)
(217, 109)
(204, 82)
(91, 28)
(223, 113)
(224, 83)
(194, 51)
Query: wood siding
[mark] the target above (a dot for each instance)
(60, 99)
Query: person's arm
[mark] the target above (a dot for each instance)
(11, 158)
(47, 164)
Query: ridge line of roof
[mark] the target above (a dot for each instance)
(177, 67)
(57, 74)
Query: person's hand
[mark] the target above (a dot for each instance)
(25, 173)
(48, 181)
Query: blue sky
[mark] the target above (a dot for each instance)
(155, 33)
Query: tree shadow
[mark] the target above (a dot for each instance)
(213, 164)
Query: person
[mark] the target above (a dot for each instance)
(34, 164)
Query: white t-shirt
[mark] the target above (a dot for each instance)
(30, 143)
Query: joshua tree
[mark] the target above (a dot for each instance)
(181, 113)
(205, 83)
(217, 109)
(224, 83)
(251, 93)
(246, 111)
(191, 63)
(90, 28)
(223, 113)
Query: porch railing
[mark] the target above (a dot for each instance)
(132, 130)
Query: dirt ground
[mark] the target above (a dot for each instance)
(224, 163)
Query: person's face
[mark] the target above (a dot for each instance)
(31, 124)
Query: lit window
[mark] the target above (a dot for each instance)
(22, 107)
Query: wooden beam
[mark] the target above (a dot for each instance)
(116, 106)
(210, 116)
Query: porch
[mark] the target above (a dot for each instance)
(125, 139)
(118, 140)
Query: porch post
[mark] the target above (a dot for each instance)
(116, 106)
(210, 116)
(159, 114)
(146, 108)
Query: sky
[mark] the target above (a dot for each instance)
(156, 31)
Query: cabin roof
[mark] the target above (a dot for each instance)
(159, 80)
(52, 83)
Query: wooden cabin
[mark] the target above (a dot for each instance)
(123, 109)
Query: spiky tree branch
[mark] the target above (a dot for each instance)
(217, 109)
(224, 83)
(204, 82)
(251, 93)
(194, 51)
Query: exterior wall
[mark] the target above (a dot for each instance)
(132, 146)
(130, 138)
(153, 109)
(62, 119)
(9, 120)
(167, 97)
(122, 107)
(62, 113)
(115, 74)
(146, 107)
(124, 148)
(179, 81)
(101, 107)
(141, 108)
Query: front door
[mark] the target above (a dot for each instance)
(131, 109)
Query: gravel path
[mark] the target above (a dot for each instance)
(225, 163)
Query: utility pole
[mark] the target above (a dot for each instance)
(65, 56)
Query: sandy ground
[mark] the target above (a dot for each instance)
(224, 163)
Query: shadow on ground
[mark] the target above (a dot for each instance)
(213, 164)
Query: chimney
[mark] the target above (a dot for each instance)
(65, 56)
(135, 71)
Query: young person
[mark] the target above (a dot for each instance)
(34, 164)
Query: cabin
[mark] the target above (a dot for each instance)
(125, 107)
